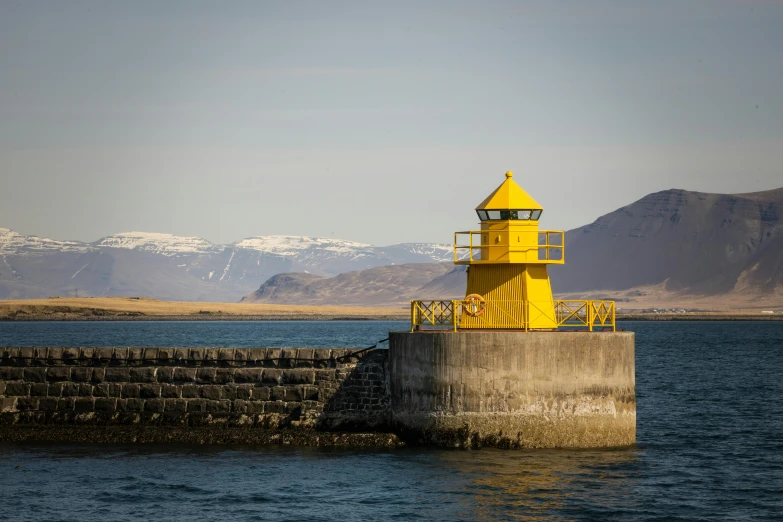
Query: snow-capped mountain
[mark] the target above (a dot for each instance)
(164, 244)
(174, 267)
(13, 243)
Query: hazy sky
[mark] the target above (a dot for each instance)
(380, 122)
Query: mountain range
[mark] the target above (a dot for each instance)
(182, 268)
(673, 245)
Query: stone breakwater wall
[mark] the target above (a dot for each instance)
(244, 395)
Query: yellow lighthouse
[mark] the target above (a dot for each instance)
(508, 285)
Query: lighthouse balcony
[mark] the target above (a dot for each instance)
(472, 314)
(492, 247)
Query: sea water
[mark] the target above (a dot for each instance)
(710, 445)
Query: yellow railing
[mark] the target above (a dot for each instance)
(550, 247)
(513, 315)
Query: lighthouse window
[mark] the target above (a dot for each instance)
(536, 215)
(482, 214)
(520, 214)
(493, 214)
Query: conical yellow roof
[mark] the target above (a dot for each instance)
(509, 196)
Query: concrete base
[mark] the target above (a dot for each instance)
(514, 389)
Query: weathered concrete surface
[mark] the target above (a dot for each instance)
(514, 389)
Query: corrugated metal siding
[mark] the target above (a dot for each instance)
(504, 289)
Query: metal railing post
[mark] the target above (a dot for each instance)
(590, 317)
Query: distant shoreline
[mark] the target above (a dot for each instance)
(143, 309)
(319, 317)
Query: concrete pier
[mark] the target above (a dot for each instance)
(514, 389)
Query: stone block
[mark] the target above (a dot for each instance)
(70, 389)
(149, 391)
(304, 358)
(56, 389)
(205, 375)
(78, 373)
(228, 392)
(8, 404)
(27, 403)
(150, 355)
(84, 404)
(54, 356)
(277, 393)
(287, 357)
(59, 373)
(325, 375)
(298, 377)
(248, 375)
(271, 377)
(48, 404)
(239, 406)
(210, 356)
(176, 405)
(39, 389)
(98, 375)
(224, 375)
(261, 393)
(197, 354)
(17, 389)
(244, 391)
(256, 355)
(338, 354)
(8, 353)
(119, 356)
(85, 353)
(37, 374)
(155, 405)
(171, 391)
(211, 392)
(225, 355)
(190, 391)
(292, 394)
(254, 407)
(100, 390)
(70, 355)
(272, 358)
(10, 373)
(164, 354)
(85, 390)
(219, 406)
(309, 393)
(2, 387)
(103, 354)
(165, 374)
(134, 404)
(66, 404)
(26, 356)
(196, 405)
(105, 404)
(274, 407)
(117, 375)
(130, 391)
(142, 374)
(135, 355)
(184, 374)
(294, 409)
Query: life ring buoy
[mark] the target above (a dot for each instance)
(474, 305)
